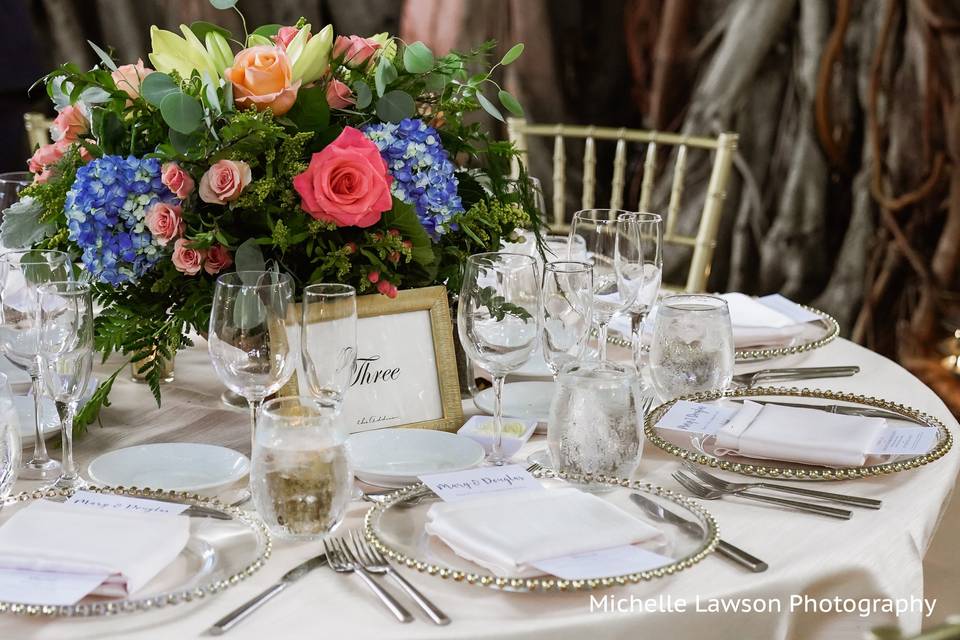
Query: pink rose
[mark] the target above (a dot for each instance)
(285, 35)
(185, 259)
(176, 179)
(165, 222)
(128, 77)
(355, 51)
(69, 124)
(347, 183)
(45, 156)
(224, 181)
(339, 95)
(387, 289)
(218, 259)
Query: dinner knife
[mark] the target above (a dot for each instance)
(227, 622)
(840, 409)
(727, 550)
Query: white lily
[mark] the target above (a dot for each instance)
(187, 54)
(312, 59)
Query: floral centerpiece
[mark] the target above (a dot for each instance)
(343, 159)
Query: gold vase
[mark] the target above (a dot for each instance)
(166, 367)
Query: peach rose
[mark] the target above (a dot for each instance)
(185, 259)
(69, 124)
(128, 77)
(339, 95)
(165, 222)
(224, 181)
(218, 259)
(355, 51)
(285, 35)
(176, 179)
(347, 183)
(262, 77)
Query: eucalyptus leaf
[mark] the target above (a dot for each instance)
(182, 112)
(417, 58)
(182, 141)
(249, 257)
(201, 29)
(223, 4)
(512, 54)
(386, 73)
(104, 57)
(510, 103)
(489, 107)
(267, 30)
(21, 227)
(364, 95)
(94, 95)
(395, 105)
(157, 86)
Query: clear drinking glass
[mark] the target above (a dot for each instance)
(301, 478)
(251, 326)
(692, 349)
(10, 185)
(66, 355)
(595, 420)
(567, 312)
(498, 319)
(21, 273)
(9, 439)
(649, 228)
(328, 341)
(616, 254)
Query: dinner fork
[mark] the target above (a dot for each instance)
(794, 373)
(706, 493)
(737, 487)
(341, 560)
(374, 562)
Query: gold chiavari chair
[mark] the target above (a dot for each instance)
(38, 129)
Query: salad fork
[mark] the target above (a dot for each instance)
(374, 562)
(737, 487)
(341, 560)
(706, 493)
(794, 373)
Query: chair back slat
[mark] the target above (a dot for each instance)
(559, 179)
(676, 191)
(619, 175)
(589, 173)
(649, 171)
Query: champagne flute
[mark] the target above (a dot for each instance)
(328, 341)
(567, 312)
(649, 227)
(614, 250)
(66, 353)
(21, 273)
(498, 320)
(251, 335)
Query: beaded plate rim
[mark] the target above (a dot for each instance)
(549, 584)
(944, 443)
(170, 598)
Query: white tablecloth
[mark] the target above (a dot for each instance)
(877, 554)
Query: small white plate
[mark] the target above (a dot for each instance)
(174, 466)
(527, 400)
(49, 421)
(397, 457)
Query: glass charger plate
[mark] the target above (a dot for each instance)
(218, 555)
(396, 528)
(686, 446)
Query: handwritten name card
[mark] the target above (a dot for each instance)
(463, 485)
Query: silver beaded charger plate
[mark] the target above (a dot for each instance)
(396, 528)
(221, 552)
(689, 447)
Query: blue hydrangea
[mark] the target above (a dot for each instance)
(423, 174)
(105, 211)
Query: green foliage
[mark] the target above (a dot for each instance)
(90, 411)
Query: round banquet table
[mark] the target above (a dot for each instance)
(877, 554)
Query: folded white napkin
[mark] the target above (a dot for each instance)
(507, 532)
(67, 538)
(808, 436)
(756, 324)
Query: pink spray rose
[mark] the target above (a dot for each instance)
(69, 124)
(387, 289)
(45, 156)
(128, 77)
(285, 35)
(218, 259)
(185, 259)
(176, 179)
(339, 95)
(347, 183)
(225, 181)
(355, 51)
(165, 222)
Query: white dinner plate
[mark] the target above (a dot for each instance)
(174, 466)
(397, 457)
(527, 400)
(49, 422)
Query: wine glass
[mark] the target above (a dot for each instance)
(498, 320)
(66, 353)
(21, 273)
(9, 439)
(10, 185)
(567, 312)
(251, 332)
(328, 341)
(650, 230)
(616, 254)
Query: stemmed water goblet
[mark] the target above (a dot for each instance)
(252, 334)
(498, 320)
(567, 312)
(328, 341)
(65, 312)
(22, 272)
(649, 228)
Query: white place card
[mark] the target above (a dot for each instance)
(49, 587)
(126, 504)
(905, 441)
(695, 417)
(605, 562)
(463, 485)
